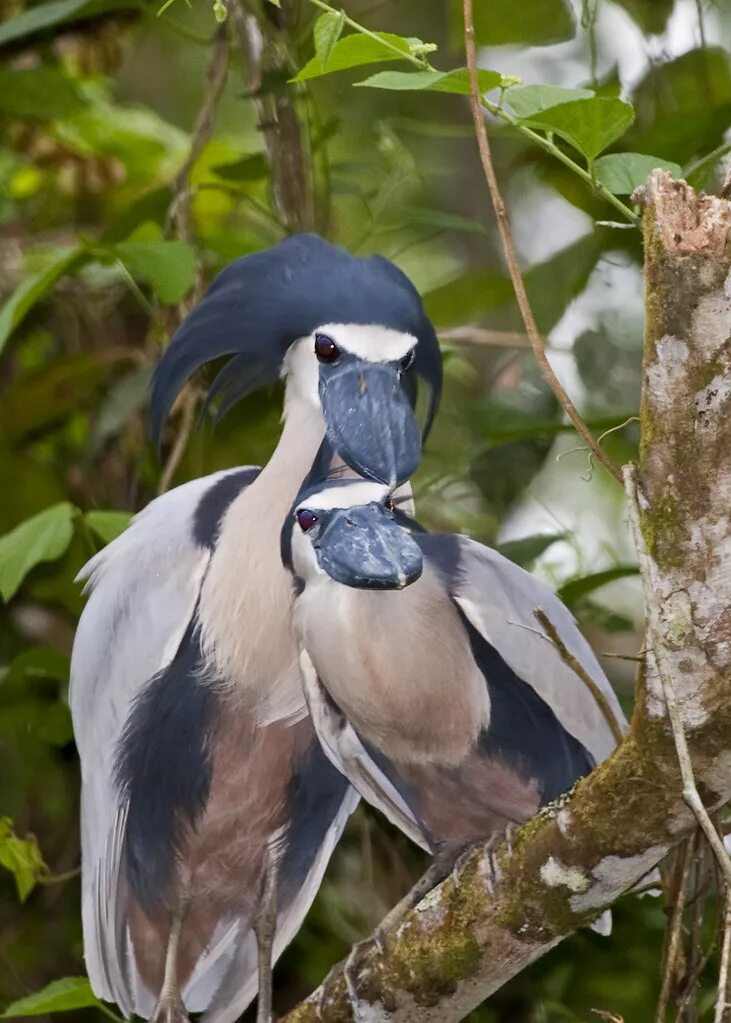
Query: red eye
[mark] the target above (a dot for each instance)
(306, 519)
(325, 348)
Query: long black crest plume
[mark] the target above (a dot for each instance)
(260, 304)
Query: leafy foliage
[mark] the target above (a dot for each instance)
(44, 537)
(59, 996)
(22, 857)
(100, 100)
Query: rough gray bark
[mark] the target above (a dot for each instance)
(475, 932)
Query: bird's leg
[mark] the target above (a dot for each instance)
(439, 869)
(265, 927)
(170, 1007)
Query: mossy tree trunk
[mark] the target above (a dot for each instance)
(482, 927)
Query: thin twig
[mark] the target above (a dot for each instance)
(180, 208)
(67, 875)
(696, 959)
(673, 944)
(578, 669)
(188, 400)
(657, 646)
(511, 257)
(722, 1004)
(482, 338)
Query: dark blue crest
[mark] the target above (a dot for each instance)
(260, 304)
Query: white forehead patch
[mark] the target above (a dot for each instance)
(347, 496)
(369, 341)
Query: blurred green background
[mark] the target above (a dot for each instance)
(98, 100)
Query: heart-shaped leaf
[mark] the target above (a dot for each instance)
(622, 173)
(590, 125)
(533, 99)
(45, 537)
(456, 81)
(355, 50)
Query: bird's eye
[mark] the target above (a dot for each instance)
(389, 504)
(408, 360)
(325, 348)
(306, 519)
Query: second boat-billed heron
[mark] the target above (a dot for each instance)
(430, 676)
(208, 809)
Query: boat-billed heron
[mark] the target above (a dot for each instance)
(208, 809)
(431, 675)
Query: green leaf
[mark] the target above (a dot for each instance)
(169, 266)
(327, 30)
(683, 105)
(33, 289)
(527, 100)
(58, 12)
(456, 81)
(355, 50)
(525, 551)
(38, 662)
(551, 285)
(45, 537)
(126, 396)
(622, 173)
(441, 219)
(59, 996)
(528, 23)
(22, 857)
(590, 125)
(575, 589)
(650, 15)
(41, 92)
(248, 168)
(108, 524)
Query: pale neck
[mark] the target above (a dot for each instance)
(302, 433)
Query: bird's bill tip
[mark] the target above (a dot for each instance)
(365, 548)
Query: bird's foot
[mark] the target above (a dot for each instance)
(350, 967)
(170, 1009)
(489, 867)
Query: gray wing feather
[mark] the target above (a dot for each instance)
(144, 588)
(499, 598)
(346, 752)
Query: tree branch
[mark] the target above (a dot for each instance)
(551, 632)
(180, 208)
(261, 32)
(511, 256)
(504, 908)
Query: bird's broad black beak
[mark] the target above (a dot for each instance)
(365, 548)
(370, 421)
